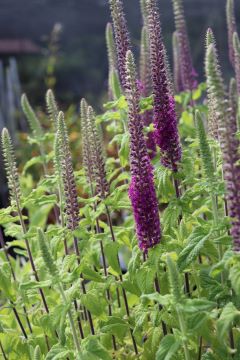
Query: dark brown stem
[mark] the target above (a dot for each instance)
(2, 243)
(121, 280)
(157, 286)
(89, 316)
(19, 321)
(79, 320)
(178, 195)
(231, 339)
(200, 348)
(3, 352)
(31, 258)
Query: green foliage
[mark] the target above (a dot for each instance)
(103, 298)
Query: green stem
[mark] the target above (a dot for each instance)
(71, 321)
(183, 331)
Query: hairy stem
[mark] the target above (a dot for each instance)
(71, 321)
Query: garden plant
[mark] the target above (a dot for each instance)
(125, 225)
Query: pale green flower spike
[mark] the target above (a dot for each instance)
(174, 280)
(205, 150)
(52, 107)
(31, 117)
(37, 353)
(11, 168)
(47, 257)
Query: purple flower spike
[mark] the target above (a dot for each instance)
(141, 192)
(188, 74)
(231, 170)
(121, 36)
(165, 119)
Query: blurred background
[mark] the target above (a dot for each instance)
(61, 44)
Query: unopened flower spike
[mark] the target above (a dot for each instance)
(121, 36)
(215, 87)
(114, 86)
(227, 128)
(70, 188)
(165, 119)
(188, 74)
(98, 158)
(233, 96)
(232, 28)
(141, 192)
(143, 6)
(236, 48)
(145, 89)
(52, 107)
(47, 257)
(32, 119)
(11, 168)
(86, 145)
(205, 150)
(178, 86)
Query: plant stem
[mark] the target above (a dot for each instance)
(74, 333)
(157, 286)
(3, 352)
(121, 279)
(89, 316)
(2, 243)
(183, 331)
(19, 321)
(178, 195)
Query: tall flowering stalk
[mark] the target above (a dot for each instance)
(70, 191)
(227, 128)
(121, 35)
(88, 162)
(52, 107)
(232, 28)
(236, 50)
(99, 170)
(145, 88)
(178, 86)
(215, 88)
(233, 96)
(70, 188)
(141, 191)
(165, 119)
(114, 87)
(15, 197)
(188, 74)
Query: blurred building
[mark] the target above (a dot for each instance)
(81, 66)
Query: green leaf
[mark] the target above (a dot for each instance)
(195, 305)
(168, 348)
(111, 252)
(116, 326)
(57, 352)
(234, 276)
(124, 150)
(30, 285)
(93, 350)
(145, 279)
(196, 242)
(228, 315)
(90, 274)
(93, 302)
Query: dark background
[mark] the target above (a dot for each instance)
(82, 63)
